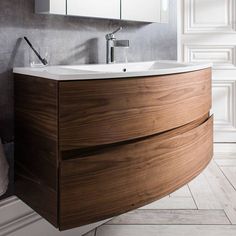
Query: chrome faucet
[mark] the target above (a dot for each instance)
(112, 43)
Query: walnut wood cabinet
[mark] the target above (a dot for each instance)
(87, 150)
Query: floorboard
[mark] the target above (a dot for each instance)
(172, 203)
(172, 217)
(226, 162)
(91, 233)
(222, 189)
(182, 192)
(203, 195)
(164, 230)
(230, 173)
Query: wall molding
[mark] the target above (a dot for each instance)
(228, 87)
(195, 24)
(222, 56)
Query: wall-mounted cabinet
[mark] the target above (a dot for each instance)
(131, 10)
(80, 160)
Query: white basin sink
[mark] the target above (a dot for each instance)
(104, 71)
(128, 67)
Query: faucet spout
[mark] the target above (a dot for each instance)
(112, 43)
(121, 43)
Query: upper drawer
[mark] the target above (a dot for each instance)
(98, 112)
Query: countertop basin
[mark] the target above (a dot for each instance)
(104, 71)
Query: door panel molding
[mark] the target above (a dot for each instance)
(224, 92)
(222, 56)
(197, 20)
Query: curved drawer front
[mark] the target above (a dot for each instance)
(108, 111)
(117, 179)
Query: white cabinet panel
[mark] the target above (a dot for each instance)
(50, 6)
(94, 8)
(209, 15)
(141, 10)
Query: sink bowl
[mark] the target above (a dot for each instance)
(109, 71)
(127, 67)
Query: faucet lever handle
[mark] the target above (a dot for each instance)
(112, 35)
(118, 29)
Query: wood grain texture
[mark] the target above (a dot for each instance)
(124, 178)
(36, 103)
(40, 197)
(108, 111)
(36, 144)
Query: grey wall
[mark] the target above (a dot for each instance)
(72, 40)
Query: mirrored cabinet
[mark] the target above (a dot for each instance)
(130, 10)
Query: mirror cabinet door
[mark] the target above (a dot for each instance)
(94, 8)
(141, 10)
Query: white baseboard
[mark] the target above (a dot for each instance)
(17, 219)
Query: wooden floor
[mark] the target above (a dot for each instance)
(204, 207)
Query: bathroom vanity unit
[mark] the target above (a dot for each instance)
(93, 142)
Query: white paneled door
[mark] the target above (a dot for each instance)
(208, 34)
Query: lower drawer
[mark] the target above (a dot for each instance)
(117, 179)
